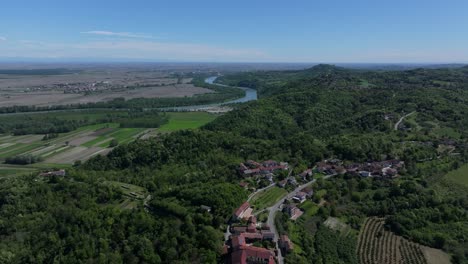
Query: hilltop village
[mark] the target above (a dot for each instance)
(248, 240)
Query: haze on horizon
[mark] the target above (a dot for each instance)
(334, 31)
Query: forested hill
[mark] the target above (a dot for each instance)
(302, 117)
(329, 76)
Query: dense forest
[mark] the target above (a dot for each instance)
(302, 117)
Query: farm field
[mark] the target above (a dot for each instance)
(133, 194)
(377, 245)
(268, 197)
(14, 171)
(80, 144)
(62, 87)
(187, 120)
(86, 141)
(459, 176)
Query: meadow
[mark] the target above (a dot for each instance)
(459, 176)
(187, 120)
(268, 197)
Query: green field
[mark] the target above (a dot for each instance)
(309, 207)
(268, 197)
(122, 135)
(133, 194)
(459, 176)
(11, 171)
(187, 120)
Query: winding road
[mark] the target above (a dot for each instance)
(276, 207)
(402, 118)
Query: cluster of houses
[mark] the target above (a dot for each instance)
(305, 176)
(266, 168)
(240, 248)
(383, 169)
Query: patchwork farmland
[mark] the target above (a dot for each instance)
(377, 245)
(86, 141)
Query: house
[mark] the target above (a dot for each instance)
(309, 191)
(300, 197)
(365, 174)
(305, 174)
(205, 208)
(389, 172)
(242, 211)
(60, 173)
(270, 163)
(282, 183)
(244, 184)
(291, 210)
(246, 255)
(285, 244)
(251, 228)
(269, 177)
(237, 230)
(292, 180)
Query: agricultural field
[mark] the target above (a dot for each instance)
(14, 171)
(268, 197)
(187, 120)
(80, 144)
(377, 245)
(459, 176)
(86, 141)
(45, 87)
(133, 195)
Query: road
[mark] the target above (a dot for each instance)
(275, 208)
(401, 120)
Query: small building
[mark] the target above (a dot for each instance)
(244, 184)
(309, 191)
(60, 173)
(241, 211)
(365, 174)
(305, 174)
(282, 183)
(285, 244)
(300, 197)
(205, 208)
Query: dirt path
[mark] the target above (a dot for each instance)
(401, 120)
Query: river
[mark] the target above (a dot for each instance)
(250, 95)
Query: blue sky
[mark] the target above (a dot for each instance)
(239, 31)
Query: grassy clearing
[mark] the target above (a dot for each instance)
(12, 171)
(309, 207)
(133, 194)
(459, 176)
(187, 120)
(268, 197)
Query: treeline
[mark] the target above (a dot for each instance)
(53, 123)
(23, 159)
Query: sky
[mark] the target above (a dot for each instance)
(310, 31)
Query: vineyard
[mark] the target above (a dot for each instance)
(376, 245)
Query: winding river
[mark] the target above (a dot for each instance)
(250, 95)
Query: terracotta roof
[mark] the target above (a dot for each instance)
(241, 209)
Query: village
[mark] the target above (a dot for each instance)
(248, 240)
